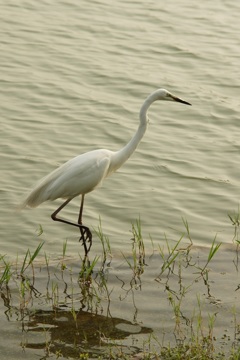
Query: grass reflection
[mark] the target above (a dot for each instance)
(67, 308)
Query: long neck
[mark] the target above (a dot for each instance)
(122, 155)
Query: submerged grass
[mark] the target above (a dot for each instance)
(88, 292)
(235, 220)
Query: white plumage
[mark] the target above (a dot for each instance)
(85, 172)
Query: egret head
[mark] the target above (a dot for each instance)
(165, 95)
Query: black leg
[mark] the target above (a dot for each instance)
(86, 234)
(81, 210)
(53, 216)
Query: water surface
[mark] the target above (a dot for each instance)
(73, 78)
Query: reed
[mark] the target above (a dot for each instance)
(193, 333)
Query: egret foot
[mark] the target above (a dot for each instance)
(86, 236)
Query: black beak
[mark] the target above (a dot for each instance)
(180, 100)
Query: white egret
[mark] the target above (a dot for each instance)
(85, 172)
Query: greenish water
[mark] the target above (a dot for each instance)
(73, 78)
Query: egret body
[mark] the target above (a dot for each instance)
(83, 173)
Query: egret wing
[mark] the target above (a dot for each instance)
(79, 175)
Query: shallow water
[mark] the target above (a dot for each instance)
(73, 79)
(121, 307)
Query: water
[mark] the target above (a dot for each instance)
(73, 78)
